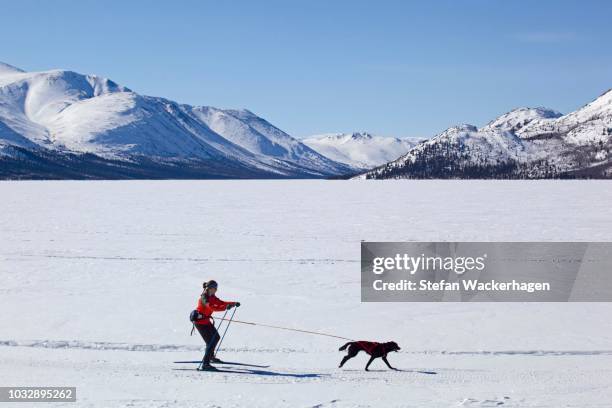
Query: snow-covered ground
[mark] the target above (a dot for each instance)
(97, 280)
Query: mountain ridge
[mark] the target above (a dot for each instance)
(56, 119)
(67, 113)
(522, 143)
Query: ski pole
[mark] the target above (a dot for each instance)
(225, 332)
(222, 320)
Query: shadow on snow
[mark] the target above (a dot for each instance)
(390, 371)
(251, 371)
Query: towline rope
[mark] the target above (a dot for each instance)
(288, 328)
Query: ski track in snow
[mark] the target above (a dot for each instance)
(101, 345)
(169, 259)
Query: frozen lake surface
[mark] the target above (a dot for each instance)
(97, 280)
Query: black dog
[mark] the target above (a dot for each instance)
(374, 349)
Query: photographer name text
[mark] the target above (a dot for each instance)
(459, 265)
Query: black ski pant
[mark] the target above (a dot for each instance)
(211, 337)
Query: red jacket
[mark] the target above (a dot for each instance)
(213, 304)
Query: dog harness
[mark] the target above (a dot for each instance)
(369, 346)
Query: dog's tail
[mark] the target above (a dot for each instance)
(345, 346)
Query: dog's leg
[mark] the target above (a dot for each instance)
(344, 360)
(369, 362)
(387, 363)
(352, 352)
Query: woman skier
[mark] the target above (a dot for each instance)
(207, 304)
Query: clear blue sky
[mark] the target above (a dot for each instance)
(390, 67)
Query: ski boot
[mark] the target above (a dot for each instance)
(207, 367)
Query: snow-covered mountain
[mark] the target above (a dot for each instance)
(51, 121)
(359, 150)
(520, 117)
(523, 143)
(62, 124)
(261, 138)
